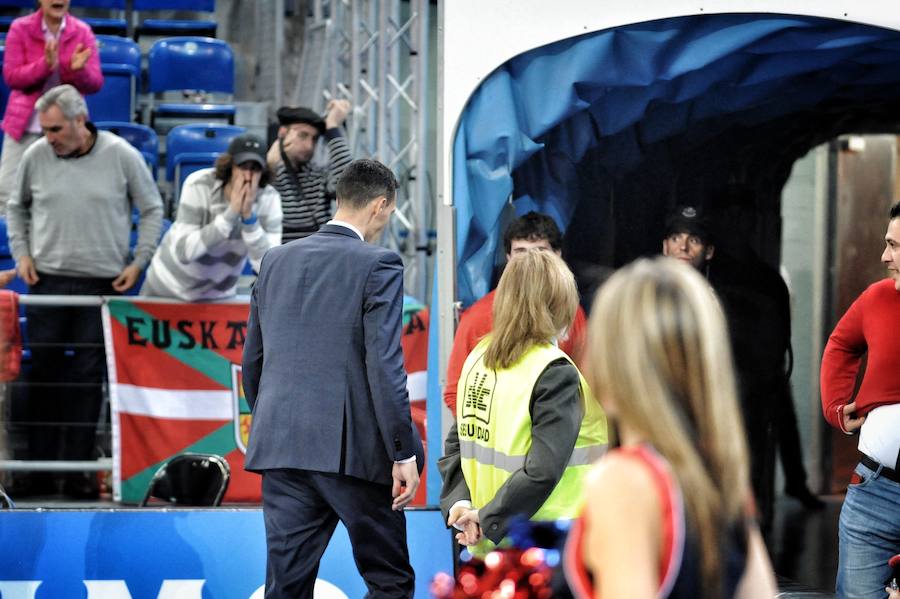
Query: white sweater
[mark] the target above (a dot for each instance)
(203, 253)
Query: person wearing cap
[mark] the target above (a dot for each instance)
(688, 238)
(227, 214)
(69, 225)
(307, 189)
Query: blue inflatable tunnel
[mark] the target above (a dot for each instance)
(633, 120)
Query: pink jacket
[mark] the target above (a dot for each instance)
(25, 69)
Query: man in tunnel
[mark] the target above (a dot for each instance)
(869, 527)
(757, 306)
(688, 238)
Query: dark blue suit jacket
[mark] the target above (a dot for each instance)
(323, 367)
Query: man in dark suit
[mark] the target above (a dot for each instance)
(323, 372)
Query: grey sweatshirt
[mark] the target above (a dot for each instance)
(73, 215)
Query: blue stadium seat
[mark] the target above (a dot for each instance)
(195, 67)
(175, 27)
(141, 137)
(120, 61)
(6, 20)
(105, 25)
(192, 147)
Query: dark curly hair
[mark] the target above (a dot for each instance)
(533, 226)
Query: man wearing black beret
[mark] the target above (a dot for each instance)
(306, 189)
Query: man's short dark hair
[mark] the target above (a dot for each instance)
(895, 211)
(533, 226)
(363, 181)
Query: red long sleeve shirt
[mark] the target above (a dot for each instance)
(871, 324)
(477, 321)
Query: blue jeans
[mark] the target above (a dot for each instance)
(868, 534)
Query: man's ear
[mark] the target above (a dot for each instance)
(282, 131)
(710, 250)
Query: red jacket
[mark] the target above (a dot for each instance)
(25, 69)
(477, 321)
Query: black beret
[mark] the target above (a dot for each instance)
(289, 115)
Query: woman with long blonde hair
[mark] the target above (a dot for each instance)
(527, 428)
(668, 510)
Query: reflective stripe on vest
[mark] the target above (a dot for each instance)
(581, 456)
(494, 421)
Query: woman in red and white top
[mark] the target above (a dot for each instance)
(666, 512)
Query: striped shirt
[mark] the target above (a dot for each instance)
(204, 251)
(306, 192)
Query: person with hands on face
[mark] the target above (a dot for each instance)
(69, 222)
(307, 189)
(226, 215)
(527, 428)
(43, 49)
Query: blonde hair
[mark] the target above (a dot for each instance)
(536, 300)
(659, 350)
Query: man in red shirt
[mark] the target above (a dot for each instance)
(869, 528)
(531, 231)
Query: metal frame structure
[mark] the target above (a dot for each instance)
(375, 54)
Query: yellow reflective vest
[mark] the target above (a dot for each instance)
(494, 420)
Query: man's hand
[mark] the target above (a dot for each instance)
(851, 425)
(471, 527)
(27, 271)
(273, 156)
(406, 482)
(127, 278)
(51, 53)
(80, 57)
(336, 113)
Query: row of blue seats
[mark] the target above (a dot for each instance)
(197, 64)
(146, 26)
(189, 147)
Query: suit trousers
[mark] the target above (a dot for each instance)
(301, 509)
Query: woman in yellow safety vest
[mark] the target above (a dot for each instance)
(668, 510)
(527, 428)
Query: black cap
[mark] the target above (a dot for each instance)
(247, 147)
(289, 115)
(689, 219)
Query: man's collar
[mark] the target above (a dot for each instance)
(346, 225)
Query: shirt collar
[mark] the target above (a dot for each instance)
(347, 225)
(46, 30)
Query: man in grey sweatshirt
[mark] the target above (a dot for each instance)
(69, 223)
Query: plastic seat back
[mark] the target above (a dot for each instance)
(141, 137)
(198, 64)
(177, 27)
(195, 146)
(190, 479)
(120, 61)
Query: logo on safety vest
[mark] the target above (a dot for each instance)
(479, 393)
(240, 409)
